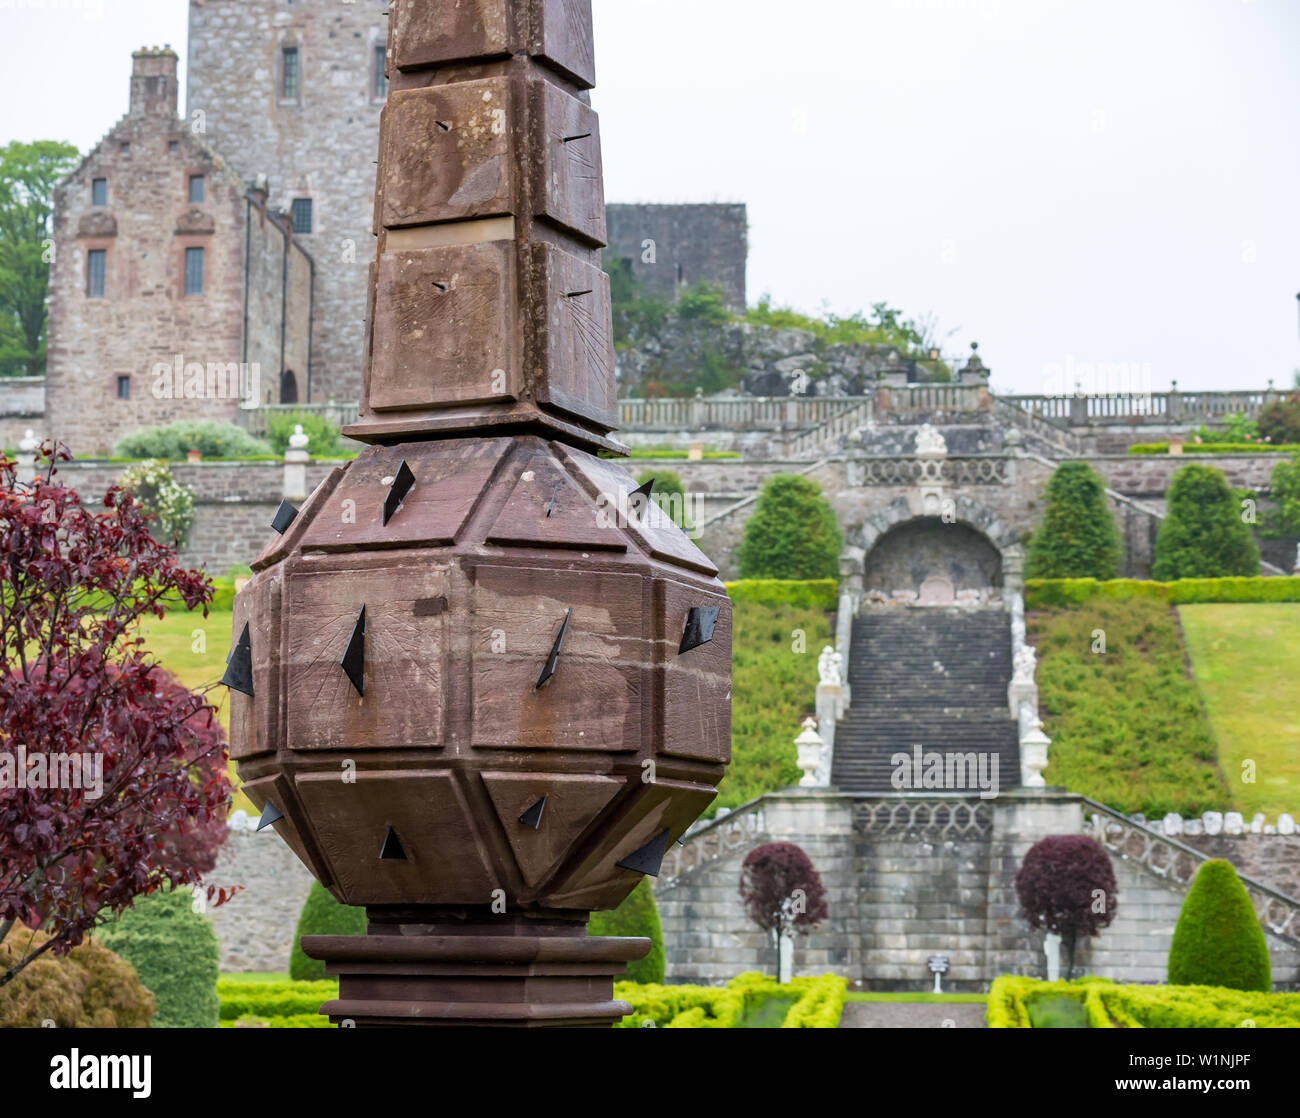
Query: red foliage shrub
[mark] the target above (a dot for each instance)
(1066, 885)
(777, 872)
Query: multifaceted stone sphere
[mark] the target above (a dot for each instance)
(476, 666)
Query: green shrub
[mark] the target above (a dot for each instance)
(175, 952)
(638, 915)
(1284, 488)
(1110, 741)
(322, 915)
(162, 497)
(1077, 537)
(1279, 422)
(1057, 1013)
(176, 440)
(816, 593)
(1203, 535)
(323, 438)
(669, 494)
(703, 302)
(792, 533)
(1046, 593)
(89, 988)
(1218, 940)
(815, 1002)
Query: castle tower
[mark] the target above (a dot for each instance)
(294, 92)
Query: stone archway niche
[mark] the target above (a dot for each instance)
(932, 559)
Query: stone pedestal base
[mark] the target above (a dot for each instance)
(491, 974)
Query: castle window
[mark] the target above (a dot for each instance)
(193, 271)
(99, 192)
(173, 145)
(289, 74)
(196, 189)
(381, 79)
(96, 272)
(125, 146)
(123, 388)
(301, 210)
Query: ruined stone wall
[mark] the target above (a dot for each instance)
(145, 318)
(321, 145)
(690, 243)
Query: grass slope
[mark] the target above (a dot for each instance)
(1245, 657)
(1127, 726)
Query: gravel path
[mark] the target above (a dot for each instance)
(913, 1015)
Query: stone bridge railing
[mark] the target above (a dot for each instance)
(737, 830)
(1137, 408)
(255, 420)
(1176, 862)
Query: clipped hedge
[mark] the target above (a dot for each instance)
(1216, 448)
(1217, 940)
(817, 1002)
(1044, 593)
(813, 593)
(321, 915)
(1110, 1006)
(175, 952)
(273, 999)
(176, 440)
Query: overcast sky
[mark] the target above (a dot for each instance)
(1067, 181)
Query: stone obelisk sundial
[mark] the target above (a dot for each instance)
(479, 683)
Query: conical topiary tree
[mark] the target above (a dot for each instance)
(322, 915)
(1077, 537)
(638, 915)
(175, 952)
(1218, 940)
(793, 533)
(1203, 535)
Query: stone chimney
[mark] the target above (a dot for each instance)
(153, 81)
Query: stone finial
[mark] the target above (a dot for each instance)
(1285, 824)
(809, 747)
(1033, 756)
(1172, 824)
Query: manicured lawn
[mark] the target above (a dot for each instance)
(928, 998)
(1127, 725)
(1246, 658)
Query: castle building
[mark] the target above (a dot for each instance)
(293, 92)
(174, 292)
(668, 247)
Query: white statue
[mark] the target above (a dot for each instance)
(298, 440)
(828, 667)
(930, 443)
(1025, 662)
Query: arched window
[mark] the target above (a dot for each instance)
(288, 387)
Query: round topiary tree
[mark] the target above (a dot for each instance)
(782, 890)
(87, 988)
(793, 533)
(1066, 885)
(1204, 535)
(1218, 940)
(638, 915)
(175, 952)
(321, 915)
(1077, 537)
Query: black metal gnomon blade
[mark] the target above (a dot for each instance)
(554, 657)
(638, 501)
(397, 492)
(392, 850)
(533, 816)
(700, 623)
(270, 814)
(550, 505)
(648, 858)
(354, 656)
(239, 665)
(285, 515)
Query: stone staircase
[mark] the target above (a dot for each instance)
(930, 676)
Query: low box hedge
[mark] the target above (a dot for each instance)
(1042, 593)
(1110, 1006)
(816, 1002)
(817, 593)
(273, 999)
(1217, 448)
